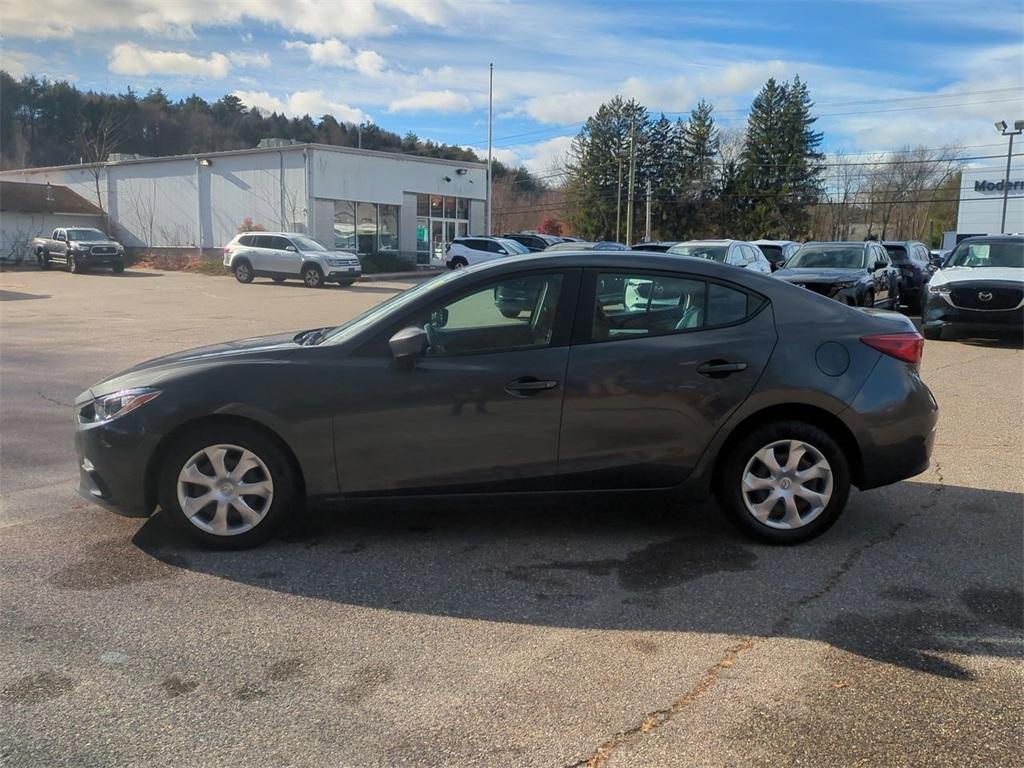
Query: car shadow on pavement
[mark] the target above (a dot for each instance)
(621, 567)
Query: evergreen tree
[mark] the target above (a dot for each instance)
(804, 162)
(698, 146)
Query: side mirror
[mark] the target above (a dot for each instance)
(879, 265)
(439, 317)
(503, 252)
(408, 343)
(291, 248)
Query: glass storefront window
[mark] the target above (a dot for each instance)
(422, 205)
(366, 228)
(422, 234)
(436, 206)
(344, 225)
(461, 208)
(388, 234)
(449, 207)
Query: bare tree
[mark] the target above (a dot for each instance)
(904, 186)
(96, 139)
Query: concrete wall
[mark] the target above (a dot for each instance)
(407, 224)
(17, 228)
(980, 211)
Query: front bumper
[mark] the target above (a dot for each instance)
(91, 260)
(342, 274)
(939, 313)
(112, 463)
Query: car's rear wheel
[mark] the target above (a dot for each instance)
(458, 263)
(243, 272)
(932, 332)
(43, 260)
(226, 486)
(785, 482)
(312, 276)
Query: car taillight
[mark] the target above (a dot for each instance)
(908, 347)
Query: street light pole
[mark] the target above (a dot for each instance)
(618, 205)
(490, 151)
(1018, 128)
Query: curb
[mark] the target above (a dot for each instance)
(419, 274)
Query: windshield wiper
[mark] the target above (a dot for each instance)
(313, 336)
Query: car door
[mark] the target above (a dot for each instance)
(480, 411)
(282, 256)
(648, 388)
(881, 277)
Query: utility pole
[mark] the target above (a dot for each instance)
(632, 177)
(490, 150)
(647, 218)
(618, 205)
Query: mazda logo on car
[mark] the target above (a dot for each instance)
(984, 295)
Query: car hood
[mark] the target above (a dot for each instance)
(953, 275)
(818, 274)
(92, 243)
(332, 254)
(151, 372)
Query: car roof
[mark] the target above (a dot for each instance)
(775, 242)
(861, 243)
(994, 239)
(708, 242)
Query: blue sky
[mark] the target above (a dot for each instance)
(884, 74)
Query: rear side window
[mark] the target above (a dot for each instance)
(246, 240)
(631, 305)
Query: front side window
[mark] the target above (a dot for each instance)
(898, 253)
(635, 305)
(503, 315)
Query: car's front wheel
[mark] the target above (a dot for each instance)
(312, 276)
(932, 332)
(458, 263)
(226, 486)
(118, 268)
(785, 482)
(73, 266)
(510, 313)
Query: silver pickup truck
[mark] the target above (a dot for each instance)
(78, 249)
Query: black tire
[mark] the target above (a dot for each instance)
(118, 268)
(243, 271)
(869, 300)
(312, 276)
(510, 313)
(277, 279)
(931, 332)
(915, 305)
(43, 260)
(285, 483)
(346, 283)
(730, 492)
(71, 265)
(458, 263)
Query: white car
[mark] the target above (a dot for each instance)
(777, 251)
(466, 251)
(737, 253)
(283, 255)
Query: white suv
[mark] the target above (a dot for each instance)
(281, 255)
(466, 251)
(737, 253)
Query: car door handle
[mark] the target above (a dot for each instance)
(528, 385)
(719, 369)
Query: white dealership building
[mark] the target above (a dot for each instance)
(386, 206)
(980, 209)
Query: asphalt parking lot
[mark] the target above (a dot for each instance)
(540, 636)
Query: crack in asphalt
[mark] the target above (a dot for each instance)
(52, 400)
(656, 718)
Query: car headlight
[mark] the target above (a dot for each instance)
(80, 248)
(939, 289)
(110, 407)
(336, 262)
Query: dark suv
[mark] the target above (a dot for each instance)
(913, 261)
(535, 242)
(853, 273)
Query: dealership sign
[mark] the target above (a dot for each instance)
(999, 186)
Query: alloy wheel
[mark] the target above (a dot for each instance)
(312, 278)
(786, 484)
(225, 490)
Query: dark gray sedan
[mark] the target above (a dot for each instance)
(630, 372)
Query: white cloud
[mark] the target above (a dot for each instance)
(542, 157)
(569, 107)
(432, 101)
(130, 59)
(342, 18)
(18, 63)
(335, 53)
(300, 103)
(245, 59)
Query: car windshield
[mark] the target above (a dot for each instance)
(307, 244)
(897, 253)
(773, 252)
(988, 254)
(711, 252)
(86, 235)
(358, 323)
(836, 256)
(514, 246)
